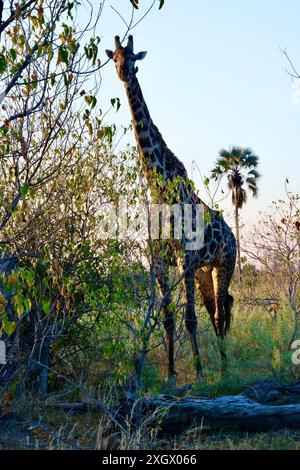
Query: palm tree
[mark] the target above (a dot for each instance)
(239, 165)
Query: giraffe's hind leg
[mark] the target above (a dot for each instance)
(223, 302)
(204, 285)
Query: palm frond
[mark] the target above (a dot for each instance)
(254, 173)
(252, 185)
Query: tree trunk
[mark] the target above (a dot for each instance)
(237, 230)
(39, 354)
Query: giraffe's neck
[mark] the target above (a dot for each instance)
(153, 151)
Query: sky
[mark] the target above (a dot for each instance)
(214, 76)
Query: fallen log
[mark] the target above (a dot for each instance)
(234, 412)
(228, 412)
(264, 406)
(271, 392)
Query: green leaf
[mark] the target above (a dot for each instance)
(52, 79)
(13, 54)
(70, 7)
(27, 305)
(46, 306)
(3, 64)
(115, 102)
(161, 4)
(95, 52)
(24, 190)
(91, 100)
(63, 56)
(66, 29)
(8, 326)
(3, 131)
(19, 304)
(20, 310)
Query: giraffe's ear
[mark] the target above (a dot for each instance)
(109, 54)
(140, 55)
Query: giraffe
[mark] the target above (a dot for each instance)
(210, 268)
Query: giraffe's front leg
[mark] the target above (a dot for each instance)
(190, 317)
(169, 320)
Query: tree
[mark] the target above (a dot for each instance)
(58, 168)
(275, 247)
(46, 125)
(239, 165)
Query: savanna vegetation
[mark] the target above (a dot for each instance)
(79, 313)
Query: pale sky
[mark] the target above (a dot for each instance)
(214, 76)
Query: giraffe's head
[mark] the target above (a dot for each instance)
(125, 59)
